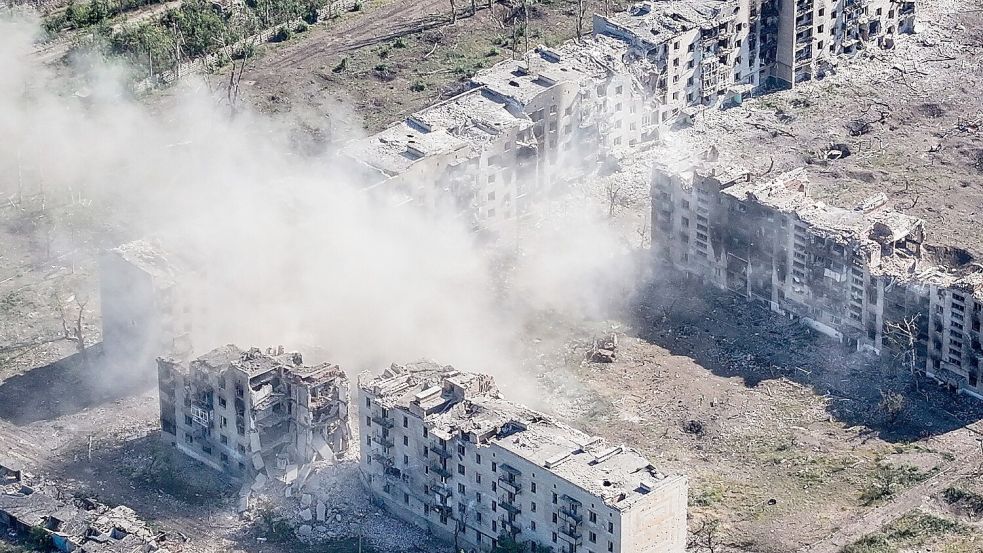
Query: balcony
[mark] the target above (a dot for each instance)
(570, 516)
(385, 422)
(442, 491)
(440, 451)
(571, 535)
(510, 469)
(510, 527)
(510, 507)
(439, 470)
(383, 441)
(512, 486)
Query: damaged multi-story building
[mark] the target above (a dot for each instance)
(442, 449)
(863, 276)
(252, 412)
(525, 126)
(530, 124)
(718, 52)
(33, 507)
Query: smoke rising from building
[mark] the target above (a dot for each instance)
(287, 249)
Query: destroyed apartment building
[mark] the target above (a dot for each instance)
(31, 507)
(443, 450)
(698, 53)
(529, 125)
(863, 276)
(252, 414)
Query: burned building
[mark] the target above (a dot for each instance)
(33, 506)
(250, 412)
(442, 449)
(701, 53)
(861, 276)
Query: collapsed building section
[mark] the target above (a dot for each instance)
(32, 506)
(442, 449)
(250, 413)
(862, 276)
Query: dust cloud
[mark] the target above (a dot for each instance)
(291, 249)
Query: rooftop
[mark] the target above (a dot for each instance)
(660, 21)
(255, 362)
(92, 525)
(455, 403)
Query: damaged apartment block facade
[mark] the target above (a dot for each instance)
(863, 276)
(529, 125)
(250, 413)
(442, 449)
(702, 53)
(525, 126)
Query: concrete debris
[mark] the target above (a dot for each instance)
(603, 349)
(250, 413)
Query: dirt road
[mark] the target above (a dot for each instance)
(967, 463)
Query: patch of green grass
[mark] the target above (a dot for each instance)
(912, 530)
(888, 480)
(705, 497)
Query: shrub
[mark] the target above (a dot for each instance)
(357, 6)
(342, 65)
(399, 43)
(418, 86)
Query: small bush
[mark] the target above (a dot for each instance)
(281, 35)
(342, 65)
(399, 43)
(418, 86)
(492, 52)
(356, 7)
(301, 28)
(888, 480)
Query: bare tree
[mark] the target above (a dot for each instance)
(453, 11)
(705, 538)
(582, 6)
(72, 319)
(903, 336)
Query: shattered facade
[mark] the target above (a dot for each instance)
(717, 52)
(528, 125)
(250, 413)
(31, 504)
(442, 449)
(862, 276)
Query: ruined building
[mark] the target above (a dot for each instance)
(32, 506)
(717, 52)
(249, 412)
(862, 276)
(442, 449)
(526, 126)
(529, 125)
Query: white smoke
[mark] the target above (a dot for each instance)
(294, 252)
